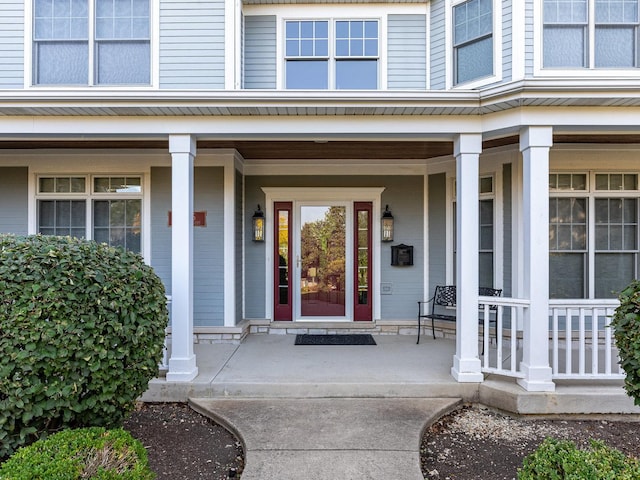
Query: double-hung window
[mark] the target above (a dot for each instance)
(578, 36)
(339, 54)
(105, 209)
(473, 40)
(91, 42)
(593, 234)
(486, 233)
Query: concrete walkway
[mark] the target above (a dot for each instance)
(328, 438)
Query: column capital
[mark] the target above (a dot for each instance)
(535, 136)
(182, 143)
(470, 143)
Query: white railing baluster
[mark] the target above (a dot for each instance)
(602, 362)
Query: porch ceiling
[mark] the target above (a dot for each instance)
(311, 150)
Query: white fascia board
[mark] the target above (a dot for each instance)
(343, 127)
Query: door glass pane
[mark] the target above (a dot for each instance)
(283, 257)
(363, 257)
(323, 252)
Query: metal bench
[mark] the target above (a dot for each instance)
(443, 306)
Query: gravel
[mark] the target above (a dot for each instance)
(476, 442)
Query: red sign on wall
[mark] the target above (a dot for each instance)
(199, 219)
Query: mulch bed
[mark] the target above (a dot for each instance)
(182, 444)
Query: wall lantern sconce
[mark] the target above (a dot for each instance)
(387, 225)
(258, 225)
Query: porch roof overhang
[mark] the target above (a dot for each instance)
(576, 92)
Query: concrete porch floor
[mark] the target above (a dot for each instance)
(271, 366)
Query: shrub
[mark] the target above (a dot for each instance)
(81, 334)
(561, 459)
(626, 322)
(94, 453)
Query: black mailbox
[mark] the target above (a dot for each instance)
(401, 255)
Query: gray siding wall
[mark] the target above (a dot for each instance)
(208, 246)
(437, 217)
(259, 51)
(508, 228)
(506, 40)
(160, 231)
(14, 187)
(192, 44)
(12, 44)
(528, 38)
(407, 52)
(400, 193)
(438, 52)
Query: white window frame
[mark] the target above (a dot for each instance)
(450, 53)
(331, 13)
(89, 195)
(154, 53)
(591, 194)
(332, 58)
(498, 228)
(590, 70)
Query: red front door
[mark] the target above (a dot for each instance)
(322, 267)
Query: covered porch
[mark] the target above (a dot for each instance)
(271, 366)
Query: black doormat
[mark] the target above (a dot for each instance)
(346, 339)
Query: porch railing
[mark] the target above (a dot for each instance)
(581, 340)
(501, 333)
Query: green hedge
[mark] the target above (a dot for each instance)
(81, 334)
(561, 459)
(626, 323)
(94, 453)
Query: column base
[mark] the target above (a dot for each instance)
(467, 370)
(537, 379)
(182, 369)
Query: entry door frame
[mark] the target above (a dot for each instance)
(322, 194)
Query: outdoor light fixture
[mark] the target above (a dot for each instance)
(387, 225)
(258, 225)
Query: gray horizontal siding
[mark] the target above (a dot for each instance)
(13, 200)
(407, 52)
(259, 52)
(12, 44)
(528, 38)
(208, 281)
(507, 44)
(192, 51)
(438, 51)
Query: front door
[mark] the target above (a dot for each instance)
(324, 257)
(324, 284)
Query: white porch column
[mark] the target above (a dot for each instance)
(229, 243)
(182, 364)
(466, 364)
(534, 145)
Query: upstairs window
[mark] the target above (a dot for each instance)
(323, 55)
(473, 40)
(578, 34)
(91, 42)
